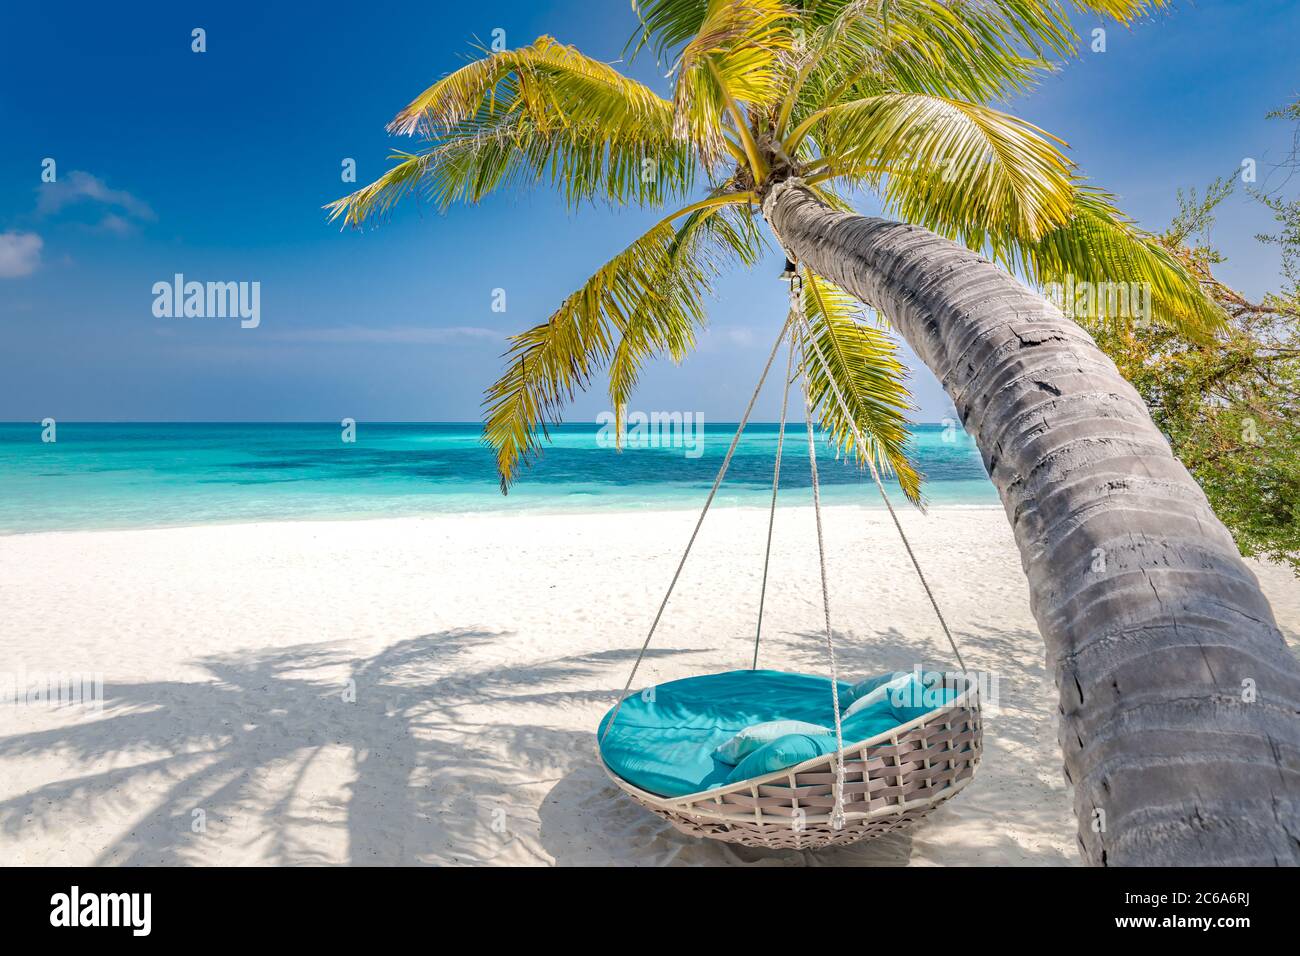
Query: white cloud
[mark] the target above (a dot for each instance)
(117, 225)
(78, 187)
(20, 254)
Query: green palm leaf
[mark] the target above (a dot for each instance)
(708, 241)
(521, 116)
(497, 153)
(652, 291)
(670, 24)
(863, 361)
(1042, 26)
(972, 51)
(733, 58)
(949, 165)
(548, 81)
(1099, 244)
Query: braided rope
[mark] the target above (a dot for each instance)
(875, 476)
(794, 182)
(797, 326)
(776, 483)
(717, 482)
(837, 810)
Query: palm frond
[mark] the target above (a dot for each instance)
(1099, 245)
(708, 241)
(886, 94)
(548, 81)
(932, 39)
(864, 364)
(664, 25)
(494, 152)
(951, 166)
(1044, 25)
(972, 51)
(653, 290)
(667, 25)
(521, 116)
(735, 56)
(1125, 11)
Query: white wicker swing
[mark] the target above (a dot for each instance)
(864, 788)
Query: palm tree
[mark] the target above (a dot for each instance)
(1178, 696)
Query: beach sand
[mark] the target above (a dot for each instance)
(424, 691)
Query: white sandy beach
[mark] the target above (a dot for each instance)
(483, 651)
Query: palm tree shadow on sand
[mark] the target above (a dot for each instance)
(436, 771)
(243, 746)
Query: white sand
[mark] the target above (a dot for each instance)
(483, 651)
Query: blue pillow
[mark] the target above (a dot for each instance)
(918, 698)
(759, 735)
(781, 753)
(867, 724)
(879, 697)
(864, 687)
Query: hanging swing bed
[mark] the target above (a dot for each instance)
(791, 761)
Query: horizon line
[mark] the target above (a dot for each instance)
(334, 423)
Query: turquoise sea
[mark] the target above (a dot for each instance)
(99, 475)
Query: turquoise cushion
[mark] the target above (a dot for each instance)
(666, 738)
(919, 697)
(664, 742)
(875, 696)
(759, 735)
(866, 724)
(781, 753)
(864, 687)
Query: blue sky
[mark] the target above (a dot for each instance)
(216, 165)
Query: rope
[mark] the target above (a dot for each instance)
(794, 182)
(837, 810)
(875, 476)
(776, 483)
(798, 327)
(722, 472)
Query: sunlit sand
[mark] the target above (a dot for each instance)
(426, 690)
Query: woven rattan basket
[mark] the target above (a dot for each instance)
(892, 780)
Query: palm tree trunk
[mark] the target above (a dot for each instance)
(1179, 700)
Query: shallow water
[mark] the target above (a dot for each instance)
(153, 475)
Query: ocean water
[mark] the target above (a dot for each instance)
(98, 476)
